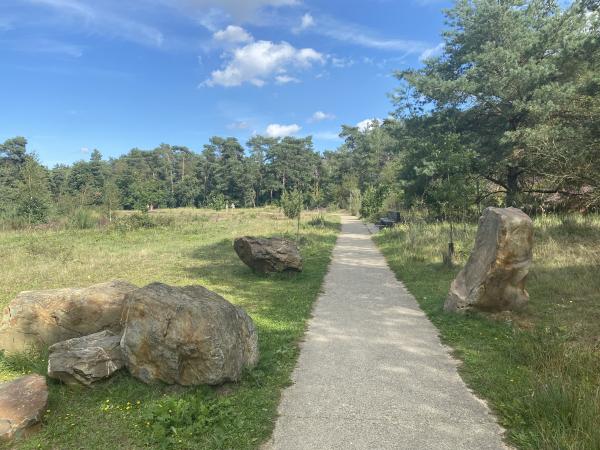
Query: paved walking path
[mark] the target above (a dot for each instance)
(372, 373)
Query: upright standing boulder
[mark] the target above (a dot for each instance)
(186, 335)
(22, 405)
(86, 359)
(495, 274)
(41, 318)
(268, 254)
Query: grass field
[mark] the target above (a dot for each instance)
(539, 369)
(188, 247)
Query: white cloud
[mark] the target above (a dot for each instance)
(354, 34)
(276, 130)
(238, 10)
(320, 115)
(111, 23)
(327, 136)
(45, 46)
(84, 150)
(364, 125)
(260, 61)
(432, 52)
(233, 34)
(307, 21)
(239, 125)
(284, 79)
(342, 62)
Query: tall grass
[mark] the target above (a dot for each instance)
(178, 247)
(538, 368)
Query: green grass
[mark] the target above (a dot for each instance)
(539, 369)
(190, 247)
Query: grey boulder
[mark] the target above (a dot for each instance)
(186, 335)
(22, 405)
(42, 318)
(86, 359)
(495, 274)
(268, 254)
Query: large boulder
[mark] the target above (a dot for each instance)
(268, 254)
(86, 359)
(22, 405)
(495, 274)
(186, 335)
(42, 318)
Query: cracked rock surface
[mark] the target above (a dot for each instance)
(495, 274)
(42, 318)
(186, 335)
(268, 254)
(22, 404)
(86, 359)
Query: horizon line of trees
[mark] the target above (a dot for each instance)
(508, 114)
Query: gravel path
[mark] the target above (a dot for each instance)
(372, 373)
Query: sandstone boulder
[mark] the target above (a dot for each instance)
(268, 254)
(22, 405)
(86, 359)
(41, 318)
(495, 274)
(186, 335)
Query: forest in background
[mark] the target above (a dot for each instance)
(508, 114)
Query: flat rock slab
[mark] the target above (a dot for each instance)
(22, 404)
(372, 372)
(43, 318)
(86, 359)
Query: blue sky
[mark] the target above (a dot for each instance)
(114, 74)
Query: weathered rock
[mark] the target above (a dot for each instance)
(495, 274)
(40, 318)
(86, 359)
(186, 335)
(22, 404)
(268, 254)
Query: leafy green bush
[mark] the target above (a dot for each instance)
(33, 210)
(216, 201)
(372, 201)
(83, 219)
(134, 221)
(292, 203)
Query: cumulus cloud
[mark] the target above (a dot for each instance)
(320, 115)
(233, 34)
(260, 61)
(364, 125)
(276, 130)
(432, 52)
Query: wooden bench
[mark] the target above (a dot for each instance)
(392, 218)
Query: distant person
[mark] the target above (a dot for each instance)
(232, 205)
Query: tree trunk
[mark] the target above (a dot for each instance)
(512, 185)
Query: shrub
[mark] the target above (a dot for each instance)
(134, 221)
(83, 219)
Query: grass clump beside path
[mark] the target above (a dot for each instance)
(178, 247)
(539, 369)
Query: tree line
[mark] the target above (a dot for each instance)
(507, 114)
